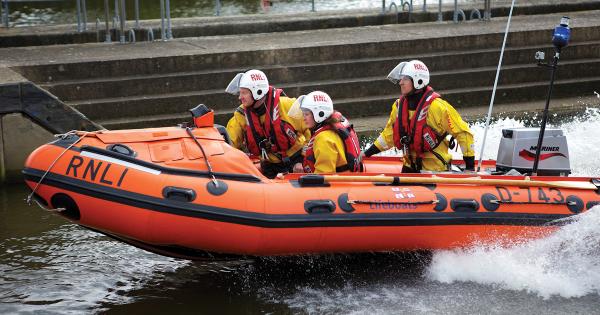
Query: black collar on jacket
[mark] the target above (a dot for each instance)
(414, 98)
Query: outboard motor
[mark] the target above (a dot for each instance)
(518, 147)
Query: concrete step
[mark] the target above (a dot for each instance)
(294, 55)
(139, 85)
(475, 96)
(160, 104)
(381, 104)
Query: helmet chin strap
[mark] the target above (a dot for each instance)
(414, 91)
(256, 104)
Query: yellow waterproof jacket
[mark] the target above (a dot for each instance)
(329, 152)
(236, 127)
(443, 118)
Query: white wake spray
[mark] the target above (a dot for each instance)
(566, 263)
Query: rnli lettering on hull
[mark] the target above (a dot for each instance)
(95, 170)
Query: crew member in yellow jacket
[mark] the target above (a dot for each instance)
(261, 125)
(334, 146)
(420, 122)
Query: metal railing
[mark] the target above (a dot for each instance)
(475, 13)
(165, 13)
(405, 5)
(120, 20)
(457, 14)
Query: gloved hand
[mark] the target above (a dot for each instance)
(265, 144)
(469, 163)
(371, 150)
(298, 168)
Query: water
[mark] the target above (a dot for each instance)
(38, 12)
(50, 266)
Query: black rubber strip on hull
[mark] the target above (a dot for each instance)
(336, 219)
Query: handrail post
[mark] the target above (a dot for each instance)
(107, 36)
(396, 10)
(487, 14)
(5, 15)
(162, 20)
(217, 7)
(313, 6)
(116, 17)
(458, 12)
(404, 3)
(84, 14)
(123, 21)
(150, 34)
(382, 6)
(137, 13)
(440, 15)
(169, 31)
(455, 15)
(424, 5)
(78, 13)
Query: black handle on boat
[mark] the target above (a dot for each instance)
(311, 180)
(179, 194)
(319, 206)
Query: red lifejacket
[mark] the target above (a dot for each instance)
(351, 145)
(275, 135)
(415, 133)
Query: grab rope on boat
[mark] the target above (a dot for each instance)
(61, 136)
(210, 171)
(566, 203)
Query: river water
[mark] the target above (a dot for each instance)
(38, 12)
(48, 266)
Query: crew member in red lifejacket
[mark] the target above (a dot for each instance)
(334, 145)
(420, 122)
(261, 126)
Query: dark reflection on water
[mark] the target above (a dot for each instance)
(50, 265)
(47, 264)
(262, 285)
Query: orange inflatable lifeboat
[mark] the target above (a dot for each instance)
(184, 192)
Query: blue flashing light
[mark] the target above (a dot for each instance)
(562, 34)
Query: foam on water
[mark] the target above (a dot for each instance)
(566, 263)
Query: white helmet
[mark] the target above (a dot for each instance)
(254, 80)
(319, 103)
(415, 69)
